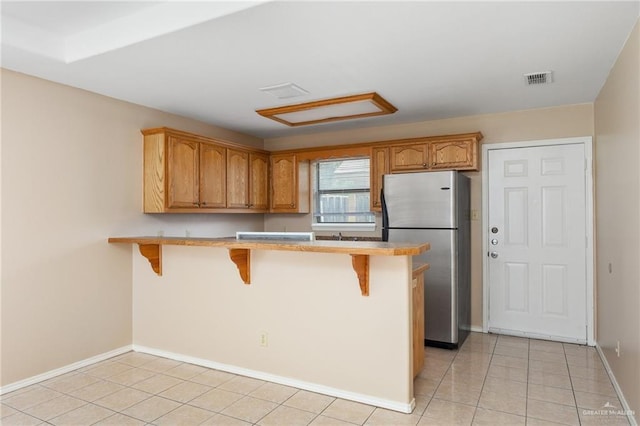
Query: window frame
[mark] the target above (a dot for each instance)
(317, 193)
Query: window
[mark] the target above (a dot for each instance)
(341, 192)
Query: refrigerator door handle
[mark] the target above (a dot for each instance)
(385, 217)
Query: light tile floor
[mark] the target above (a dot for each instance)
(491, 380)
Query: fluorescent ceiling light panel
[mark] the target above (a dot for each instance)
(343, 108)
(285, 90)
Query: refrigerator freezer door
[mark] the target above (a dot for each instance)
(421, 200)
(440, 280)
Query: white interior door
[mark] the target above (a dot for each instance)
(537, 242)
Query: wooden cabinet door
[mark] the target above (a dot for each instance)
(378, 168)
(182, 173)
(454, 155)
(213, 176)
(258, 181)
(418, 322)
(284, 183)
(409, 157)
(237, 179)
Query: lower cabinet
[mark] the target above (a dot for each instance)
(418, 319)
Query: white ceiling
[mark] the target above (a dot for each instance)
(432, 60)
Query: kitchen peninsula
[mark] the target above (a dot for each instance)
(332, 317)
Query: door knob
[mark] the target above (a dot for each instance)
(493, 254)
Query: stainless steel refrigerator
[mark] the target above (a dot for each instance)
(434, 207)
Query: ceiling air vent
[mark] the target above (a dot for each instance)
(538, 78)
(285, 90)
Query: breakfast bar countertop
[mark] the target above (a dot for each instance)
(374, 248)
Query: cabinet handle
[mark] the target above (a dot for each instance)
(196, 204)
(424, 164)
(292, 205)
(247, 205)
(204, 204)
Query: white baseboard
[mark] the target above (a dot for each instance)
(62, 370)
(625, 405)
(477, 329)
(300, 384)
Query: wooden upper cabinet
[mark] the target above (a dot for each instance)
(408, 157)
(187, 173)
(247, 180)
(213, 172)
(284, 182)
(182, 173)
(454, 155)
(289, 184)
(237, 179)
(454, 152)
(379, 167)
(258, 181)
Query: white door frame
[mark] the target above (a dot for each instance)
(587, 141)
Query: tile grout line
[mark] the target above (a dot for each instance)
(484, 380)
(573, 391)
(526, 392)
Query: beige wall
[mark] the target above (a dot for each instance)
(322, 334)
(546, 123)
(617, 125)
(71, 177)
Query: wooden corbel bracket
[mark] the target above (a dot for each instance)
(153, 253)
(242, 259)
(361, 266)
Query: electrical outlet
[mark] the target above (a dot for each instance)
(187, 233)
(618, 348)
(160, 233)
(264, 339)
